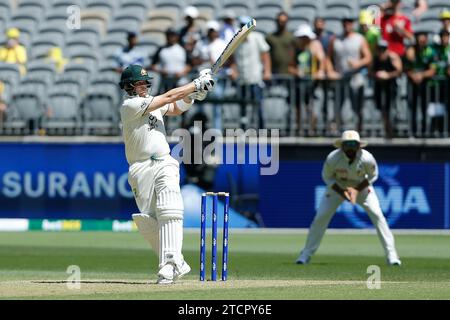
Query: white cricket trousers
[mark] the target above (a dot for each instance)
(331, 200)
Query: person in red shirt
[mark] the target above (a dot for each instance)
(395, 27)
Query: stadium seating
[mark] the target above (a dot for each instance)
(105, 24)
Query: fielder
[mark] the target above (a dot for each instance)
(153, 174)
(349, 173)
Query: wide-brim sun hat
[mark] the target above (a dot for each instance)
(350, 135)
(304, 30)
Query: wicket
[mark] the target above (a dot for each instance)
(215, 197)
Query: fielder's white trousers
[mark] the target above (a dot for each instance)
(331, 200)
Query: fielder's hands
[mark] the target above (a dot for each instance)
(351, 194)
(205, 81)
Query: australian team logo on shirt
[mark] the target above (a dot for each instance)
(152, 122)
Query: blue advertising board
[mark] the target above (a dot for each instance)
(89, 181)
(411, 196)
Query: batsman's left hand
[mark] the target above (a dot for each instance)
(199, 96)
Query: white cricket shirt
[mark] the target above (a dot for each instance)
(337, 169)
(144, 135)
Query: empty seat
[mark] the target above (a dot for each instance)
(314, 4)
(266, 26)
(135, 4)
(239, 7)
(67, 3)
(68, 82)
(129, 14)
(105, 6)
(100, 112)
(94, 19)
(42, 69)
(35, 84)
(79, 71)
(63, 114)
(306, 13)
(162, 14)
(24, 112)
(9, 73)
(275, 5)
(112, 44)
(122, 28)
(89, 58)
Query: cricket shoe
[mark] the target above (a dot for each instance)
(395, 262)
(302, 260)
(166, 274)
(181, 270)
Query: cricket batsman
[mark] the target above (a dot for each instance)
(153, 174)
(349, 173)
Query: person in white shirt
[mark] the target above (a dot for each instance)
(153, 174)
(349, 173)
(207, 51)
(171, 62)
(252, 67)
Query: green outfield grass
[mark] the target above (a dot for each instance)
(261, 266)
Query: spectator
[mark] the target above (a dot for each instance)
(395, 27)
(171, 62)
(440, 87)
(129, 55)
(387, 66)
(208, 51)
(308, 64)
(282, 45)
(445, 19)
(252, 66)
(420, 7)
(13, 52)
(325, 37)
(56, 57)
(229, 27)
(420, 68)
(350, 54)
(190, 33)
(3, 106)
(369, 30)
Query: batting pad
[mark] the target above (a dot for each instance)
(148, 228)
(171, 242)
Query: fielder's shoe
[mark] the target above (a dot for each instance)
(182, 270)
(302, 260)
(166, 274)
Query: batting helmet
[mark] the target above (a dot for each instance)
(132, 74)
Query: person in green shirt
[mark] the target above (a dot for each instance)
(439, 99)
(282, 45)
(369, 30)
(420, 67)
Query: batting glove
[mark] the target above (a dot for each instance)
(199, 96)
(204, 82)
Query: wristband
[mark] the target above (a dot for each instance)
(183, 106)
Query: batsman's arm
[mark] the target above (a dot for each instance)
(170, 97)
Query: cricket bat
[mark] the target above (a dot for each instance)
(234, 43)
